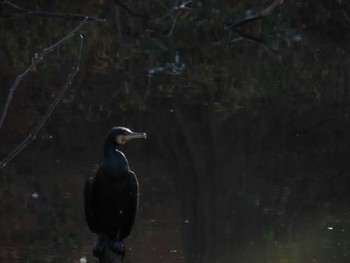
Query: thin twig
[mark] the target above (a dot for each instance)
(346, 16)
(57, 99)
(244, 36)
(66, 16)
(172, 27)
(170, 14)
(170, 11)
(131, 12)
(265, 12)
(36, 61)
(29, 13)
(233, 27)
(13, 5)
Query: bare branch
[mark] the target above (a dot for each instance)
(29, 13)
(344, 18)
(66, 16)
(244, 36)
(131, 12)
(170, 11)
(176, 6)
(169, 14)
(267, 11)
(13, 5)
(172, 26)
(57, 99)
(33, 65)
(233, 27)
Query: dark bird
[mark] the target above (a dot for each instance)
(111, 198)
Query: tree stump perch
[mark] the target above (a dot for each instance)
(110, 256)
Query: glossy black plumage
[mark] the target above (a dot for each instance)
(111, 198)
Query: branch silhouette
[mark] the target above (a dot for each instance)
(169, 14)
(36, 61)
(176, 6)
(57, 99)
(32, 14)
(265, 12)
(270, 51)
(233, 27)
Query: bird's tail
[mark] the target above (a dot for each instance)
(104, 242)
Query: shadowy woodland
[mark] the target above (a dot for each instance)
(248, 125)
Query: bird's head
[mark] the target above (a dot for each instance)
(121, 135)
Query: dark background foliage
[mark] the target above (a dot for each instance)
(247, 156)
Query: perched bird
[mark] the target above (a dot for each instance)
(111, 198)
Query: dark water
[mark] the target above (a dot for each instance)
(247, 157)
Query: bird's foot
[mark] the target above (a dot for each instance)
(99, 248)
(118, 247)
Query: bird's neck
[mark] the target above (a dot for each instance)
(115, 161)
(109, 150)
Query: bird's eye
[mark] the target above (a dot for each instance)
(125, 133)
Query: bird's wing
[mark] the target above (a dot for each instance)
(134, 200)
(89, 215)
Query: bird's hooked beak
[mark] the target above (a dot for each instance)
(121, 139)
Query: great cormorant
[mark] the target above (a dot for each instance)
(111, 198)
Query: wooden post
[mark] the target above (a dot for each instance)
(110, 256)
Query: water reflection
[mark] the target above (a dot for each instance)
(172, 68)
(246, 159)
